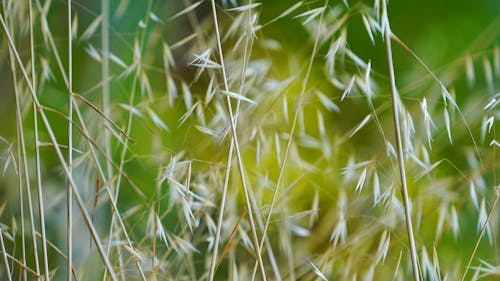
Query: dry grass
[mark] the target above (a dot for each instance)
(204, 144)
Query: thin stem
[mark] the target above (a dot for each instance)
(38, 173)
(23, 162)
(123, 154)
(483, 230)
(4, 254)
(120, 171)
(21, 264)
(70, 147)
(433, 75)
(59, 154)
(52, 43)
(268, 245)
(105, 80)
(293, 128)
(397, 129)
(221, 213)
(59, 252)
(105, 101)
(112, 198)
(237, 148)
(246, 57)
(21, 153)
(156, 219)
(19, 175)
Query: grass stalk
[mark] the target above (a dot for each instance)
(443, 87)
(246, 57)
(237, 149)
(481, 234)
(23, 266)
(24, 170)
(469, 131)
(112, 197)
(126, 143)
(59, 252)
(220, 220)
(5, 258)
(38, 174)
(106, 105)
(22, 167)
(266, 240)
(59, 153)
(120, 171)
(399, 144)
(293, 127)
(69, 202)
(299, 191)
(105, 81)
(52, 43)
(20, 179)
(122, 162)
(85, 131)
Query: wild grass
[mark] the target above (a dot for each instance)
(244, 140)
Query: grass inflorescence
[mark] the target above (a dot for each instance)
(245, 140)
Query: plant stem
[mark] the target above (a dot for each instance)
(58, 151)
(246, 57)
(41, 211)
(483, 230)
(4, 254)
(433, 75)
(70, 148)
(105, 80)
(24, 170)
(292, 130)
(397, 129)
(237, 148)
